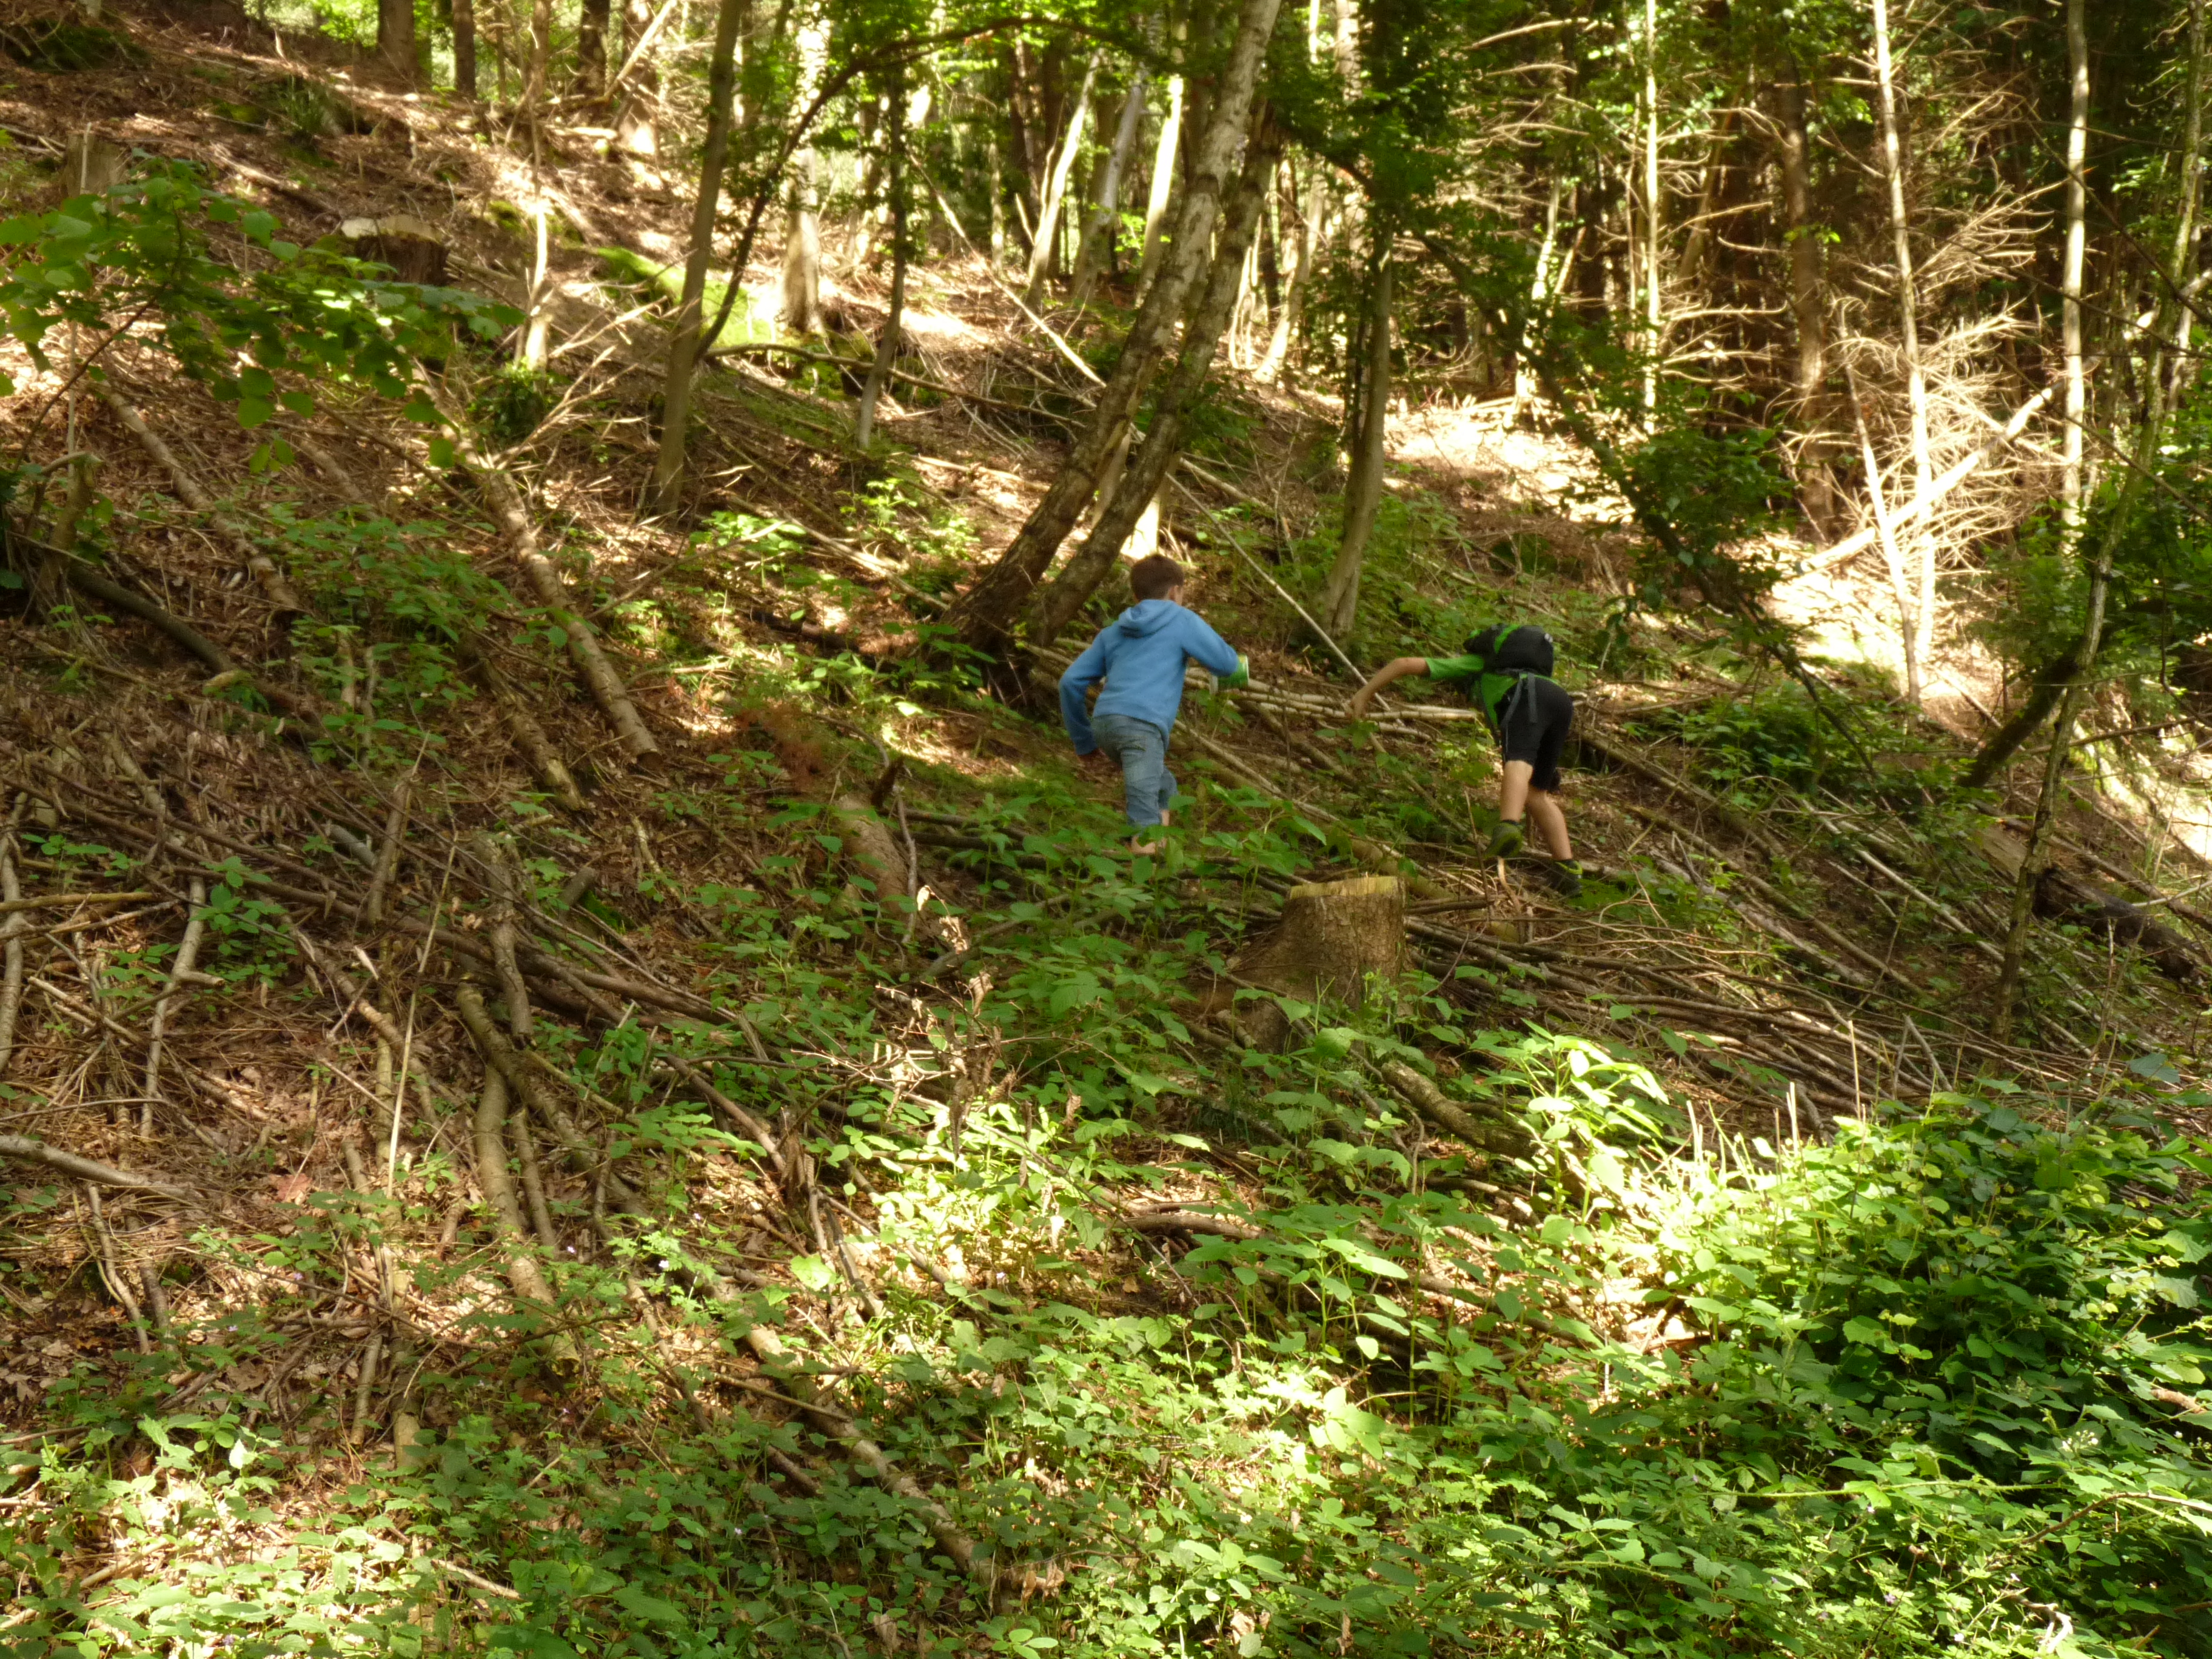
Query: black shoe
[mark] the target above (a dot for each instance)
(1565, 876)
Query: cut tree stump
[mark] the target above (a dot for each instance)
(1332, 936)
(410, 247)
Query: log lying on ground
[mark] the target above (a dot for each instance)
(523, 1272)
(280, 592)
(508, 507)
(1485, 1134)
(2061, 895)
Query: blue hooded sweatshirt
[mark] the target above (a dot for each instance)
(1141, 657)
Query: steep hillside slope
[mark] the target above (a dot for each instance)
(808, 1188)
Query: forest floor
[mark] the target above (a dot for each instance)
(938, 1118)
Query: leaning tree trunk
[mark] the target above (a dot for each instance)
(635, 135)
(1333, 940)
(1304, 248)
(1139, 482)
(988, 612)
(1162, 191)
(683, 346)
(1098, 245)
(1047, 241)
(1363, 495)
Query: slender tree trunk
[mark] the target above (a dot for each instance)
(1098, 235)
(534, 80)
(636, 134)
(1908, 305)
(1893, 559)
(1291, 312)
(887, 348)
(1540, 293)
(1654, 216)
(998, 207)
(1815, 484)
(1162, 186)
(802, 239)
(592, 49)
(683, 346)
(465, 49)
(395, 38)
(989, 608)
(2071, 508)
(1363, 494)
(1136, 491)
(2172, 331)
(1056, 192)
(529, 347)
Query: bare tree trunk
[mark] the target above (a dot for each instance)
(1162, 186)
(592, 49)
(887, 348)
(1893, 559)
(1299, 266)
(683, 346)
(1136, 489)
(801, 307)
(1098, 235)
(465, 48)
(1055, 192)
(1540, 288)
(998, 207)
(1653, 215)
(534, 78)
(636, 134)
(2077, 209)
(395, 38)
(1815, 486)
(989, 610)
(1363, 494)
(1908, 305)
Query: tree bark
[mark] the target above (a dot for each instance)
(1363, 495)
(987, 611)
(524, 1275)
(1332, 938)
(395, 38)
(465, 49)
(684, 345)
(635, 135)
(592, 18)
(1815, 484)
(1908, 305)
(1137, 488)
(2072, 506)
(1097, 248)
(1055, 192)
(1302, 249)
(1654, 216)
(1893, 559)
(887, 348)
(1162, 191)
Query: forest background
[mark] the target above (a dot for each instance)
(584, 1075)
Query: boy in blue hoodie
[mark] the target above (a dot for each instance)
(1140, 657)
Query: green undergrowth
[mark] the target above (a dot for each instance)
(1926, 1386)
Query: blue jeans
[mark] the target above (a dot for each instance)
(1140, 748)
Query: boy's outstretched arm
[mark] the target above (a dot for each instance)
(1086, 672)
(1213, 654)
(1390, 671)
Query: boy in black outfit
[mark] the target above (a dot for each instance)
(1507, 672)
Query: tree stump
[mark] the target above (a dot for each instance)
(91, 166)
(1332, 935)
(405, 243)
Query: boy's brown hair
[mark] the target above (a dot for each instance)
(1155, 578)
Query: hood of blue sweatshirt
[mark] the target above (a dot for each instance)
(1141, 656)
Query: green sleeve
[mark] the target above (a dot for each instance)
(1457, 670)
(1241, 677)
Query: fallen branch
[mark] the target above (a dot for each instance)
(84, 1168)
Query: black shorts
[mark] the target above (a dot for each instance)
(1533, 727)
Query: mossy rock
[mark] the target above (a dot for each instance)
(745, 325)
(57, 47)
